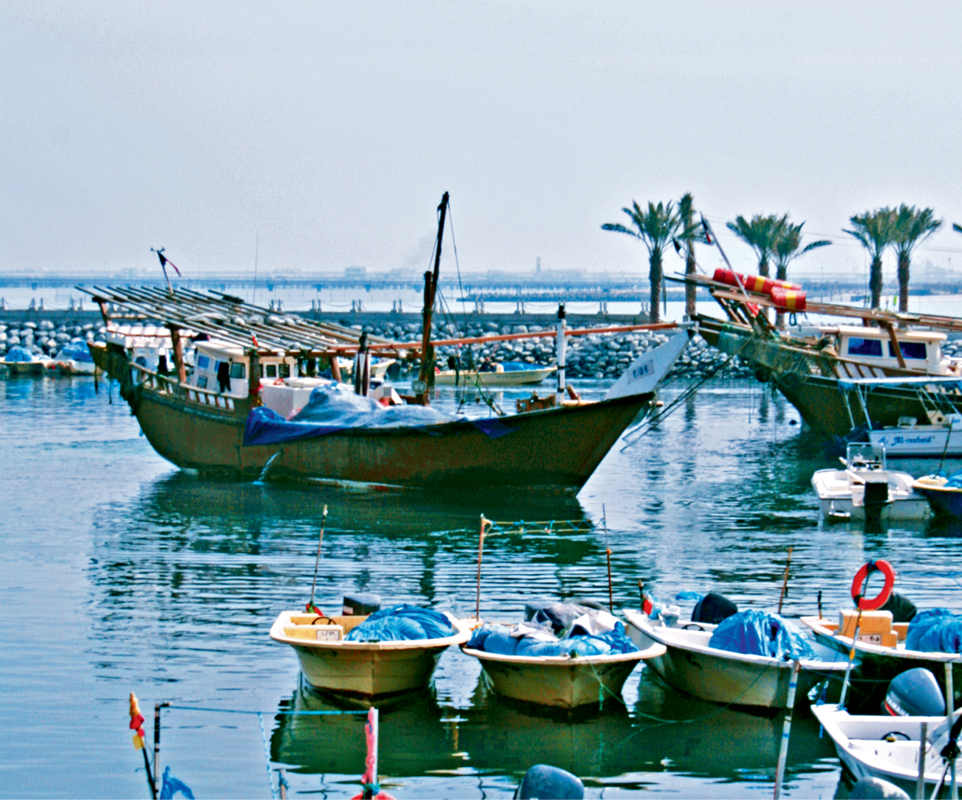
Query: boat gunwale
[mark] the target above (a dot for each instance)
(284, 619)
(654, 651)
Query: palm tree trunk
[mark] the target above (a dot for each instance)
(875, 281)
(903, 282)
(763, 267)
(655, 279)
(687, 220)
(781, 273)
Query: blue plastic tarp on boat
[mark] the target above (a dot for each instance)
(935, 630)
(759, 633)
(534, 641)
(402, 623)
(76, 351)
(19, 354)
(333, 410)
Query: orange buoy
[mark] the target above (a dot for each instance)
(788, 299)
(753, 283)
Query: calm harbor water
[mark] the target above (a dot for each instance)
(122, 573)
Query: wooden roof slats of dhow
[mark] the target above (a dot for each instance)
(221, 317)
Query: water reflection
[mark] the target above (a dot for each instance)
(414, 737)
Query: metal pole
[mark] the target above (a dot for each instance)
(781, 596)
(477, 595)
(561, 351)
(949, 707)
(920, 781)
(786, 731)
(851, 656)
(317, 558)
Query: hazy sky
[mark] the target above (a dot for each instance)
(327, 132)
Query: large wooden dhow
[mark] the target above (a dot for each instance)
(815, 372)
(202, 423)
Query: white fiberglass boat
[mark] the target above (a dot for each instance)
(690, 664)
(864, 478)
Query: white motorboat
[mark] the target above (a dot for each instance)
(690, 664)
(507, 373)
(369, 669)
(889, 747)
(864, 478)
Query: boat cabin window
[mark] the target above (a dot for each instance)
(864, 347)
(237, 370)
(203, 362)
(285, 369)
(915, 350)
(270, 370)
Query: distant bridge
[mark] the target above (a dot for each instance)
(548, 288)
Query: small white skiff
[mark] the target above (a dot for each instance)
(565, 682)
(369, 669)
(888, 747)
(842, 492)
(496, 377)
(723, 676)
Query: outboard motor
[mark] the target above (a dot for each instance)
(545, 781)
(876, 498)
(713, 608)
(869, 788)
(914, 693)
(361, 604)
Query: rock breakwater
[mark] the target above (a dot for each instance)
(597, 356)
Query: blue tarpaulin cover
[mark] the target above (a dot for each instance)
(535, 641)
(955, 481)
(19, 354)
(759, 633)
(330, 410)
(935, 630)
(76, 351)
(400, 623)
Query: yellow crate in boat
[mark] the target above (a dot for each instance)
(873, 625)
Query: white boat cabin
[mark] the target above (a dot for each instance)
(223, 368)
(921, 350)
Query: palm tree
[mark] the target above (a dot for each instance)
(874, 231)
(687, 212)
(760, 234)
(911, 227)
(788, 247)
(655, 228)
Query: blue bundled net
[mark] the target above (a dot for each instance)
(935, 630)
(402, 623)
(759, 633)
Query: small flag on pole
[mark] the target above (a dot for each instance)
(136, 722)
(164, 261)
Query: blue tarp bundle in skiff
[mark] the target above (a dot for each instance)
(402, 623)
(533, 641)
(76, 351)
(19, 354)
(954, 481)
(334, 410)
(759, 633)
(935, 630)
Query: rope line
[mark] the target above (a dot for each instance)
(267, 756)
(292, 713)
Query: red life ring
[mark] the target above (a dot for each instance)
(870, 604)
